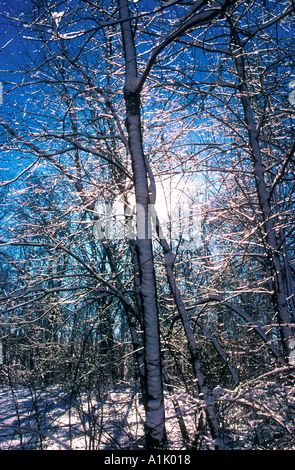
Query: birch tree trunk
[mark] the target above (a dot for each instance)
(154, 406)
(264, 199)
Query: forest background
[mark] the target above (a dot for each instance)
(147, 223)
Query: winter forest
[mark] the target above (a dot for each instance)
(147, 237)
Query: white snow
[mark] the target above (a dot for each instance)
(57, 16)
(254, 416)
(114, 421)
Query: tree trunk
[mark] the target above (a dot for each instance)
(263, 195)
(154, 406)
(169, 258)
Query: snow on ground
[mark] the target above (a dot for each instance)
(59, 420)
(253, 417)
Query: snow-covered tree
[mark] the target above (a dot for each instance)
(107, 106)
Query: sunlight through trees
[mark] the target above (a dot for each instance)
(147, 224)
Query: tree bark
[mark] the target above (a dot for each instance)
(169, 258)
(154, 406)
(268, 227)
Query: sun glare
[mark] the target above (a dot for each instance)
(177, 207)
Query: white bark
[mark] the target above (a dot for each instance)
(155, 414)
